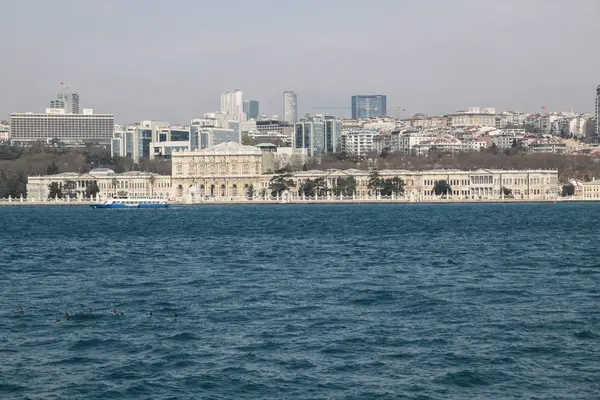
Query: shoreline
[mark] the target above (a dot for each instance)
(296, 202)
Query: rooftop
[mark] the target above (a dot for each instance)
(228, 147)
(102, 171)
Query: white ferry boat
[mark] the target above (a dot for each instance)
(132, 202)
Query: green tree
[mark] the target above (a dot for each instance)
(8, 152)
(345, 186)
(530, 128)
(247, 140)
(374, 180)
(514, 144)
(506, 191)
(92, 190)
(114, 183)
(494, 148)
(441, 188)
(69, 189)
(57, 146)
(385, 152)
(52, 169)
(281, 182)
(151, 181)
(391, 186)
(568, 189)
(307, 188)
(16, 185)
(55, 191)
(250, 192)
(321, 187)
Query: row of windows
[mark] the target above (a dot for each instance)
(221, 168)
(131, 185)
(63, 135)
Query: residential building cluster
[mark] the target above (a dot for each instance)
(371, 130)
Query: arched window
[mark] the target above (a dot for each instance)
(202, 190)
(234, 191)
(212, 190)
(223, 190)
(179, 191)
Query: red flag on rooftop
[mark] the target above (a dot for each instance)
(543, 107)
(62, 83)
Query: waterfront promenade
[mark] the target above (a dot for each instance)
(364, 200)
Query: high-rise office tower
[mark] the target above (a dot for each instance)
(251, 109)
(318, 135)
(598, 111)
(370, 106)
(68, 101)
(232, 104)
(290, 107)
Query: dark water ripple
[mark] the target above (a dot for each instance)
(307, 302)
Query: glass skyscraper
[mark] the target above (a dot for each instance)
(370, 106)
(318, 135)
(251, 109)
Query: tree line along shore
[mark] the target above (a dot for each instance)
(17, 163)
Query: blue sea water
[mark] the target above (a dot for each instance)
(301, 302)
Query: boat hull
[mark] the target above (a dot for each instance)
(125, 206)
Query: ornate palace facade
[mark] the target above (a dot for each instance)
(230, 171)
(227, 170)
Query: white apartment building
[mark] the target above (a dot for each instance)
(579, 125)
(352, 125)
(383, 142)
(506, 141)
(430, 122)
(382, 124)
(232, 104)
(131, 141)
(172, 138)
(510, 119)
(406, 141)
(474, 116)
(359, 143)
(57, 124)
(450, 144)
(554, 145)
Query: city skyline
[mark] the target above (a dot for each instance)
(430, 57)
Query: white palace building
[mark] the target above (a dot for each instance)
(230, 171)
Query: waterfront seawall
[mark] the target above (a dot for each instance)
(312, 201)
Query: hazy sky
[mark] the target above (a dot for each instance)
(170, 60)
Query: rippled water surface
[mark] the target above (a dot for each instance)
(302, 302)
